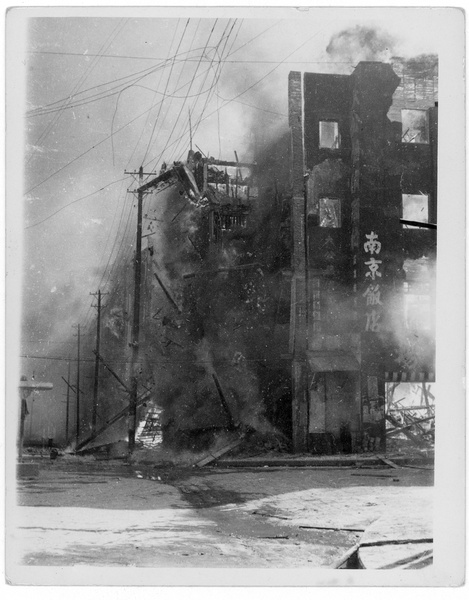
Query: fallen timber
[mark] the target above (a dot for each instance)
(111, 421)
(167, 294)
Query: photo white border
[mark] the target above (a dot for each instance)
(449, 524)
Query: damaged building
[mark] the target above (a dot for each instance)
(364, 178)
(281, 297)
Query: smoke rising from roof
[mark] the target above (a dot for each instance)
(361, 43)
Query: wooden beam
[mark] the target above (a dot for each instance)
(413, 438)
(166, 292)
(112, 372)
(214, 455)
(110, 422)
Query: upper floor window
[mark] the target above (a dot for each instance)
(330, 212)
(329, 135)
(415, 209)
(415, 126)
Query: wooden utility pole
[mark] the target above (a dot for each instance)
(78, 385)
(136, 318)
(97, 362)
(67, 410)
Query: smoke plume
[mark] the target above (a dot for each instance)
(361, 43)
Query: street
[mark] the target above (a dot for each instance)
(105, 513)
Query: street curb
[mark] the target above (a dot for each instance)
(324, 461)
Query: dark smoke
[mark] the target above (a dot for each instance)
(225, 330)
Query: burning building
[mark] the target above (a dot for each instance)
(364, 169)
(282, 296)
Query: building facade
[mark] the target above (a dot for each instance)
(363, 212)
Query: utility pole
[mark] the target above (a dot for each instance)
(141, 190)
(78, 385)
(136, 318)
(97, 362)
(67, 410)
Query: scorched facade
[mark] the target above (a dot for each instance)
(364, 182)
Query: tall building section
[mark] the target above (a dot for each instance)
(364, 181)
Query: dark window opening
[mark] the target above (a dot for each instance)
(329, 135)
(227, 220)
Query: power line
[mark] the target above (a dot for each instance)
(249, 61)
(82, 79)
(180, 75)
(183, 104)
(74, 201)
(138, 75)
(247, 89)
(96, 145)
(200, 88)
(165, 90)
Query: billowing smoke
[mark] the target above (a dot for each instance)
(361, 43)
(212, 341)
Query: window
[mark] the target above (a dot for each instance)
(417, 294)
(414, 208)
(329, 212)
(329, 135)
(415, 126)
(227, 218)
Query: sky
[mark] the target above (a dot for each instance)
(97, 93)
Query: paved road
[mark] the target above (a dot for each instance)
(80, 512)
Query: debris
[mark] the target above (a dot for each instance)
(226, 408)
(214, 455)
(396, 542)
(387, 461)
(170, 341)
(344, 561)
(100, 358)
(111, 421)
(168, 295)
(331, 528)
(256, 512)
(414, 438)
(195, 247)
(177, 215)
(371, 475)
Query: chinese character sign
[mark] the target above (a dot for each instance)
(372, 294)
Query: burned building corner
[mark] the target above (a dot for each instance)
(286, 297)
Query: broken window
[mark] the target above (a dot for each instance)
(415, 126)
(417, 294)
(227, 219)
(329, 135)
(414, 208)
(230, 221)
(330, 212)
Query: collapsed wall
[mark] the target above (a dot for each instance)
(216, 303)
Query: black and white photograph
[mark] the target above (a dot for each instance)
(235, 296)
